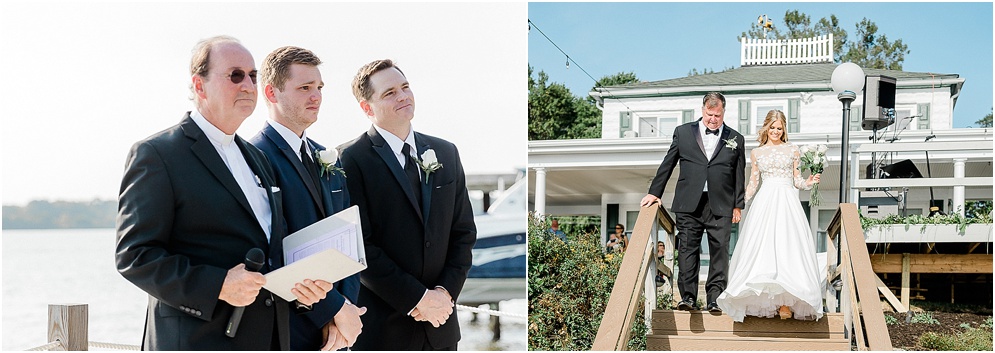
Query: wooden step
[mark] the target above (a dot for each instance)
(708, 343)
(698, 323)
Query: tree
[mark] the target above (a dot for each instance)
(551, 108)
(869, 49)
(986, 121)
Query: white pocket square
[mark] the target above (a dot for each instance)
(274, 189)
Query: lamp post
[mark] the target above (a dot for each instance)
(847, 79)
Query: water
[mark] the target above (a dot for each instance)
(42, 267)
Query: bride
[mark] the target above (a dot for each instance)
(774, 270)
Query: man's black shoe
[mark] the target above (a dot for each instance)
(713, 307)
(686, 305)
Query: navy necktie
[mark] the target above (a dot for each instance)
(310, 166)
(412, 171)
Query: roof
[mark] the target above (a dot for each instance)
(760, 76)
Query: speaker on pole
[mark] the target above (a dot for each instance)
(879, 102)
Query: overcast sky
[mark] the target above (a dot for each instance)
(83, 82)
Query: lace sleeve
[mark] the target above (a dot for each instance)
(751, 188)
(796, 159)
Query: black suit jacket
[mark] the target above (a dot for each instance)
(724, 172)
(410, 247)
(304, 204)
(182, 223)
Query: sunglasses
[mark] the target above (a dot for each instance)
(238, 75)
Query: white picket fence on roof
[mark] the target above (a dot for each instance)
(791, 51)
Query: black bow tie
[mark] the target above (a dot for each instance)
(710, 131)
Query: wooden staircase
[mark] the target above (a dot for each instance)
(704, 331)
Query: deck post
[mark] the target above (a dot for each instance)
(67, 323)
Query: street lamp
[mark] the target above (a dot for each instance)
(847, 79)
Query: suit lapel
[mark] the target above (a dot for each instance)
(382, 149)
(290, 153)
(697, 137)
(721, 144)
(276, 238)
(205, 151)
(427, 184)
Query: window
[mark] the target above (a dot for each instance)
(761, 110)
(658, 123)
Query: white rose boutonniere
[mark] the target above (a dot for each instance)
(326, 162)
(429, 163)
(731, 143)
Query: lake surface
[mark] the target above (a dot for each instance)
(42, 267)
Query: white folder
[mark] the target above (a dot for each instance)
(330, 250)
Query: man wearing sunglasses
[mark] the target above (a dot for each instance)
(195, 199)
(292, 88)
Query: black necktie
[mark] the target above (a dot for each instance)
(710, 131)
(412, 171)
(309, 165)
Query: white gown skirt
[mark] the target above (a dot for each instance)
(774, 262)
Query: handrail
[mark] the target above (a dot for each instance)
(621, 310)
(859, 298)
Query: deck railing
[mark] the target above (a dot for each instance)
(858, 298)
(634, 276)
(791, 51)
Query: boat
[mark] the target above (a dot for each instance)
(498, 271)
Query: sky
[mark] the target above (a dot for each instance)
(85, 81)
(659, 41)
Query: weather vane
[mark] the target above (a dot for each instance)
(764, 22)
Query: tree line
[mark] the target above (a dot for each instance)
(42, 214)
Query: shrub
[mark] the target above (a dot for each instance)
(973, 339)
(568, 288)
(890, 320)
(924, 317)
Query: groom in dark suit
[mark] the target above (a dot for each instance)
(195, 198)
(709, 196)
(417, 221)
(292, 91)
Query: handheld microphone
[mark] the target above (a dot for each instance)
(253, 262)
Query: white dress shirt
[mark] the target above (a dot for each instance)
(396, 145)
(250, 183)
(292, 140)
(709, 141)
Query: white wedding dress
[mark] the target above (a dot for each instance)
(774, 262)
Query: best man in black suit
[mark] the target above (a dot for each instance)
(417, 221)
(195, 198)
(292, 88)
(709, 196)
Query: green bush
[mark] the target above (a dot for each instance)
(890, 320)
(924, 317)
(568, 288)
(973, 339)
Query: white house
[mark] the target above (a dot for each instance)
(608, 176)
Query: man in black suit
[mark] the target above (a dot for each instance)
(195, 198)
(417, 221)
(709, 196)
(292, 88)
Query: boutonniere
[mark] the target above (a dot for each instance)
(429, 163)
(326, 162)
(731, 143)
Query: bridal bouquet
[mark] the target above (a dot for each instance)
(813, 159)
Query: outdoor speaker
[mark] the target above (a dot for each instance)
(901, 169)
(879, 102)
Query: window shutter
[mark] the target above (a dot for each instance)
(924, 118)
(794, 105)
(744, 117)
(687, 116)
(624, 122)
(856, 116)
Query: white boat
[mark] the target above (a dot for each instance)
(498, 271)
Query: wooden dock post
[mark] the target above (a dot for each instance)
(67, 323)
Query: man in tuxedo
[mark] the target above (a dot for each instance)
(709, 196)
(194, 199)
(417, 221)
(292, 88)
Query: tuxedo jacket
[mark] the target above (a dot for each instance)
(183, 222)
(304, 203)
(724, 172)
(410, 246)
